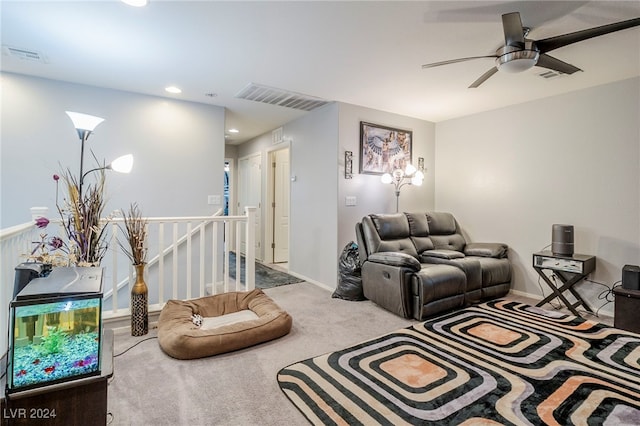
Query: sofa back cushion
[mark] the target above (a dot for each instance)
(387, 232)
(445, 232)
(419, 228)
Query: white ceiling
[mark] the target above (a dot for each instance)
(362, 53)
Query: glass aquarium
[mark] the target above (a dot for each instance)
(56, 329)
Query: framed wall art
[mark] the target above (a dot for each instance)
(384, 149)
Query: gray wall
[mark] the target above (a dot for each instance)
(321, 225)
(509, 174)
(312, 140)
(178, 148)
(314, 211)
(372, 195)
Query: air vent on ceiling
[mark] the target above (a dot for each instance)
(26, 54)
(272, 96)
(550, 74)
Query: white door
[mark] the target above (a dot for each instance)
(281, 206)
(250, 194)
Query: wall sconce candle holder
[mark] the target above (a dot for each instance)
(348, 165)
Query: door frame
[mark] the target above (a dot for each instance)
(232, 186)
(232, 196)
(269, 199)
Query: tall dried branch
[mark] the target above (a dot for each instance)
(135, 229)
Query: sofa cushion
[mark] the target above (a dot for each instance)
(441, 223)
(387, 232)
(454, 242)
(419, 227)
(442, 254)
(391, 226)
(494, 271)
(497, 250)
(444, 231)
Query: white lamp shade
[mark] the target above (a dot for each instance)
(416, 181)
(386, 178)
(84, 121)
(419, 175)
(410, 169)
(122, 164)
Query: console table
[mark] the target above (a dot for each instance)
(78, 402)
(570, 270)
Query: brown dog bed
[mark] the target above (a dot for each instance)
(212, 325)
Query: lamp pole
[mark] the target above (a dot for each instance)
(84, 135)
(400, 178)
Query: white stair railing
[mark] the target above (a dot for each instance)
(189, 257)
(15, 244)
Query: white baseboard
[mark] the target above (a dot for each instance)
(311, 281)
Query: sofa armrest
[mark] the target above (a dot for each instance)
(388, 286)
(396, 259)
(497, 250)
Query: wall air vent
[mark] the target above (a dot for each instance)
(25, 54)
(272, 96)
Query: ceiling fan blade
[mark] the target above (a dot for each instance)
(513, 32)
(546, 61)
(551, 43)
(453, 61)
(484, 77)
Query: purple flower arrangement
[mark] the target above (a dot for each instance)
(81, 213)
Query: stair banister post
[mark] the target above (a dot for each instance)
(251, 248)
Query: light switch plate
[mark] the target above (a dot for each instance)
(213, 199)
(350, 200)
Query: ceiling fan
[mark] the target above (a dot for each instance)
(519, 53)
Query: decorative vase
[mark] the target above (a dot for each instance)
(139, 304)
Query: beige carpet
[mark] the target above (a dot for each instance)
(238, 388)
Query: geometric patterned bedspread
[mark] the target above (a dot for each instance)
(500, 362)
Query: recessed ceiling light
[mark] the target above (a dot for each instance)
(234, 131)
(173, 89)
(136, 3)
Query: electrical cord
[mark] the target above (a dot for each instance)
(133, 346)
(606, 295)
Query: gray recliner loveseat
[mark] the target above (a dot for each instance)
(419, 264)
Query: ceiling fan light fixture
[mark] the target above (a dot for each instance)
(514, 62)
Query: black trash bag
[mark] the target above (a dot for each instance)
(349, 275)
